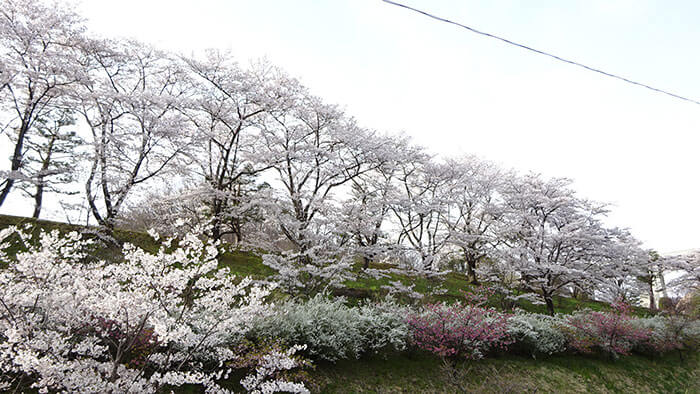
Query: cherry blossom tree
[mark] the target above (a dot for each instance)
(224, 110)
(319, 151)
(651, 274)
(315, 150)
(688, 265)
(366, 212)
(39, 66)
(553, 238)
(476, 208)
(167, 209)
(131, 104)
(420, 207)
(619, 277)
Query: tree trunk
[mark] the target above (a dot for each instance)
(6, 190)
(427, 263)
(37, 199)
(471, 268)
(16, 163)
(663, 284)
(550, 304)
(216, 222)
(365, 262)
(580, 294)
(652, 303)
(237, 230)
(471, 273)
(216, 230)
(40, 185)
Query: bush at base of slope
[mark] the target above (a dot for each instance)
(536, 334)
(332, 330)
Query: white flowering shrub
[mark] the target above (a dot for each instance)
(383, 325)
(326, 326)
(72, 324)
(536, 334)
(333, 330)
(691, 334)
(668, 333)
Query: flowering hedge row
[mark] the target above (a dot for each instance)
(332, 330)
(472, 331)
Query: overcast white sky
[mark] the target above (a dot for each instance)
(456, 92)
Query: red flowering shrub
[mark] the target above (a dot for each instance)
(456, 331)
(614, 333)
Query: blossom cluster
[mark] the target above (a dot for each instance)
(72, 324)
(270, 368)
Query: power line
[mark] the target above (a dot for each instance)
(561, 59)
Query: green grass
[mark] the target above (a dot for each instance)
(421, 373)
(245, 264)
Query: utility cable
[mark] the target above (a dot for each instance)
(561, 59)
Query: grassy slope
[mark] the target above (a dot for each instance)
(248, 264)
(422, 373)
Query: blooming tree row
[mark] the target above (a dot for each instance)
(251, 153)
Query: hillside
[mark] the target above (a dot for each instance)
(512, 374)
(245, 263)
(420, 372)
